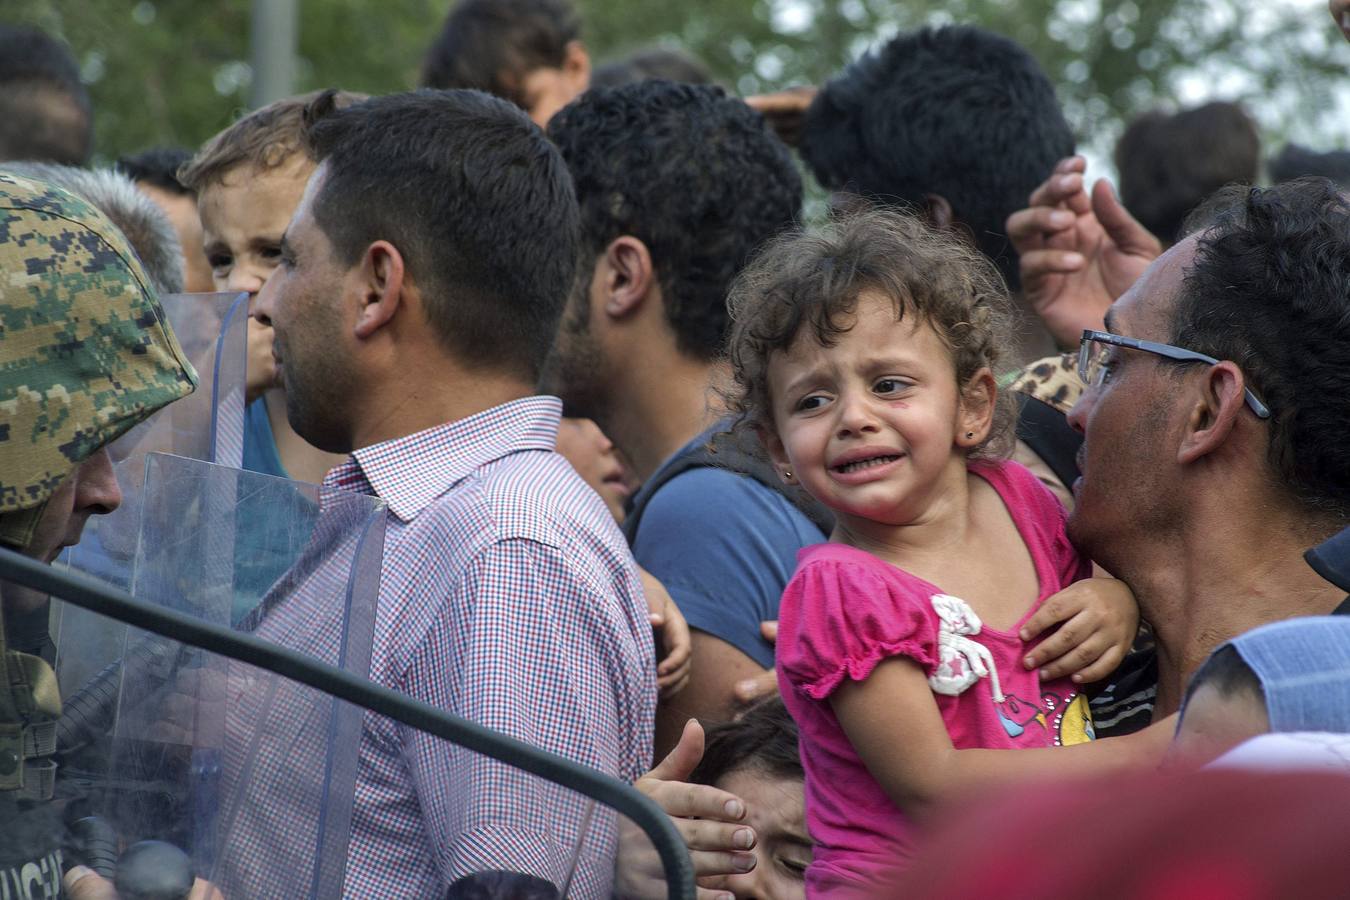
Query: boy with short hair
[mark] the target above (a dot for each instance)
(248, 180)
(526, 51)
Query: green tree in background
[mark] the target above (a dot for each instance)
(176, 71)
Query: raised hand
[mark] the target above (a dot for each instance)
(1078, 253)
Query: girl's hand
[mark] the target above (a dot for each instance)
(1097, 620)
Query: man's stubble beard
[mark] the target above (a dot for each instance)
(577, 370)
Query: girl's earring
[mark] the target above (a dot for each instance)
(787, 474)
(969, 435)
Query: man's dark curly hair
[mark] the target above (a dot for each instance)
(692, 173)
(957, 111)
(1269, 289)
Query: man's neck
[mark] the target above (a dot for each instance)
(663, 406)
(409, 405)
(1213, 584)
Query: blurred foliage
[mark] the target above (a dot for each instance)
(176, 71)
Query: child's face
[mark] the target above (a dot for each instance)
(776, 810)
(243, 217)
(596, 460)
(872, 427)
(1215, 723)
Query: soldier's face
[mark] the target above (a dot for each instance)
(90, 490)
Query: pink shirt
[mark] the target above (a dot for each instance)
(845, 611)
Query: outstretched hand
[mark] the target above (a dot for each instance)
(1078, 253)
(707, 818)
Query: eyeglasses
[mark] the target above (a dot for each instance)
(1093, 369)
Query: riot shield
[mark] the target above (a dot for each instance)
(509, 816)
(207, 425)
(249, 774)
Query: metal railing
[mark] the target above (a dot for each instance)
(105, 600)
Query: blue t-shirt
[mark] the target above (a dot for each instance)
(260, 447)
(725, 546)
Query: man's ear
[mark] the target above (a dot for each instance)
(379, 283)
(1215, 412)
(576, 65)
(979, 397)
(629, 276)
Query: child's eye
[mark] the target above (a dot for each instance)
(795, 868)
(219, 263)
(814, 401)
(271, 253)
(890, 386)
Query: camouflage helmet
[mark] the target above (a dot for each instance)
(85, 350)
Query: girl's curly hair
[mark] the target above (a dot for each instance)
(814, 279)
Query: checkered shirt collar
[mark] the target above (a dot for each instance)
(409, 472)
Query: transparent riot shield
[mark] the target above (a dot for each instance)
(252, 776)
(440, 800)
(207, 425)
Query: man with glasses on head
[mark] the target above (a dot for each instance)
(1213, 423)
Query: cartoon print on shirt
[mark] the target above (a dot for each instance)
(963, 661)
(1016, 714)
(1071, 722)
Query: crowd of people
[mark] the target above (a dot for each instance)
(799, 528)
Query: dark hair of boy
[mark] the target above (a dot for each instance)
(491, 45)
(958, 114)
(44, 109)
(476, 200)
(695, 175)
(1169, 164)
(1227, 673)
(763, 739)
(157, 167)
(653, 62)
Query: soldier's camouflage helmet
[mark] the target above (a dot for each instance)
(85, 350)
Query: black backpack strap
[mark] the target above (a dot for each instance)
(735, 452)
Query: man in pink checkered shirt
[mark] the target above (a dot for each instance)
(420, 284)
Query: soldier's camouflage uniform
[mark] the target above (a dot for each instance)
(85, 354)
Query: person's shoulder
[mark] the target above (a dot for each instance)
(726, 501)
(1019, 487)
(849, 570)
(532, 495)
